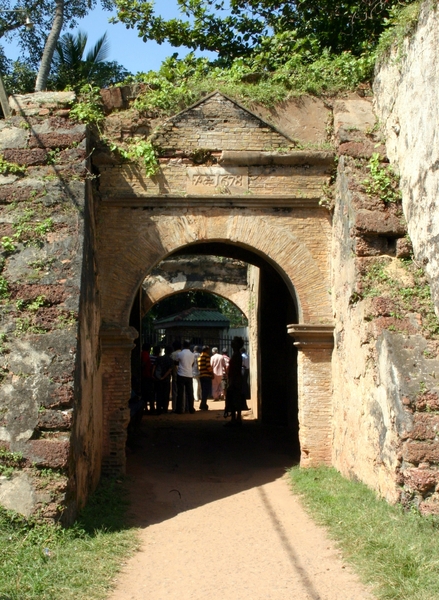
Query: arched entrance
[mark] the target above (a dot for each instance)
(262, 206)
(278, 307)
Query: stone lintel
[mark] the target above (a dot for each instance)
(213, 201)
(294, 158)
(117, 336)
(312, 336)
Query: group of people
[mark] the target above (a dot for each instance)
(194, 375)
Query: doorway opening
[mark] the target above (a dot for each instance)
(273, 357)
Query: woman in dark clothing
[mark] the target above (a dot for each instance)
(235, 402)
(162, 373)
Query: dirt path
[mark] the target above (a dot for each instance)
(218, 521)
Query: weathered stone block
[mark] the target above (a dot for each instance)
(26, 157)
(427, 401)
(112, 99)
(416, 452)
(31, 104)
(379, 223)
(371, 246)
(55, 140)
(421, 480)
(425, 426)
(55, 419)
(13, 137)
(363, 149)
(52, 454)
(404, 248)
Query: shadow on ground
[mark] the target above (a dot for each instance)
(181, 462)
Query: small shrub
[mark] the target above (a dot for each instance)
(383, 181)
(8, 167)
(88, 109)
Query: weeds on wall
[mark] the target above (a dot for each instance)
(6, 168)
(405, 282)
(181, 82)
(383, 181)
(10, 462)
(401, 25)
(30, 232)
(88, 106)
(139, 151)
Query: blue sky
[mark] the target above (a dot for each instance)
(125, 46)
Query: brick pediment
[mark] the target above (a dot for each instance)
(217, 123)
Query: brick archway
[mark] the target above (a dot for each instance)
(246, 192)
(296, 244)
(300, 257)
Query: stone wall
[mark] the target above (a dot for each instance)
(386, 344)
(407, 106)
(225, 277)
(44, 217)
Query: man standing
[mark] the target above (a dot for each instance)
(218, 367)
(185, 360)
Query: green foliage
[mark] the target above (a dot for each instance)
(180, 83)
(20, 78)
(9, 462)
(410, 292)
(88, 108)
(239, 29)
(52, 156)
(139, 150)
(29, 231)
(196, 298)
(4, 287)
(144, 150)
(7, 244)
(73, 67)
(41, 561)
(32, 305)
(400, 24)
(394, 551)
(8, 167)
(382, 182)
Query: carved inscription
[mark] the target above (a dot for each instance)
(216, 180)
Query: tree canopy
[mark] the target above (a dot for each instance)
(235, 28)
(73, 67)
(48, 18)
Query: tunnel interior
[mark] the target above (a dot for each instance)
(277, 356)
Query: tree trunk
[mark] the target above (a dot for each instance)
(49, 48)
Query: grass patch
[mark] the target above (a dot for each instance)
(46, 562)
(395, 551)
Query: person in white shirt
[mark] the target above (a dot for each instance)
(196, 375)
(218, 364)
(185, 360)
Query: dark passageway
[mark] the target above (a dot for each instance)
(203, 460)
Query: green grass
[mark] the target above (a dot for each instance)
(46, 562)
(396, 552)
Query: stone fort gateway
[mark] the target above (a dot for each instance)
(95, 243)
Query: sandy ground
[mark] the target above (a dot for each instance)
(217, 519)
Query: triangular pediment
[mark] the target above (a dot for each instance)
(218, 123)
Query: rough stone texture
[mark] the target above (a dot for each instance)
(38, 396)
(40, 103)
(305, 119)
(227, 278)
(216, 124)
(407, 106)
(18, 493)
(381, 378)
